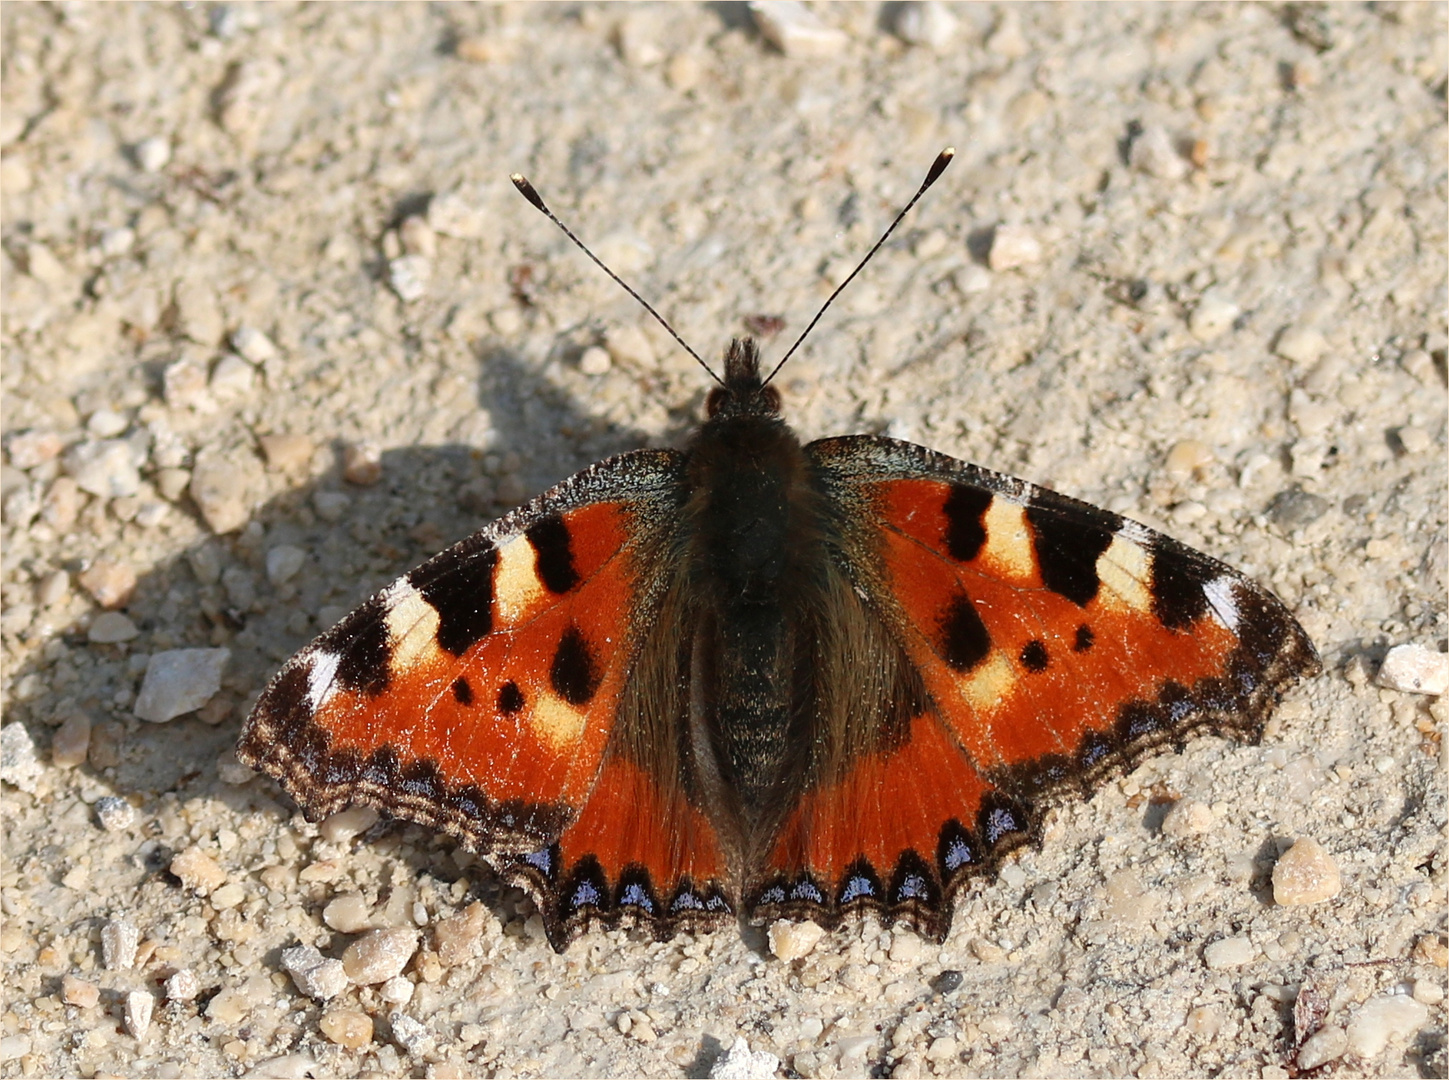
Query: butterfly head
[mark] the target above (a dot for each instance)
(743, 392)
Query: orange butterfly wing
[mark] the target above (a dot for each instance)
(1054, 642)
(479, 695)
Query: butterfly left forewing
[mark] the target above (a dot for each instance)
(1054, 642)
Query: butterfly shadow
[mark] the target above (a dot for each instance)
(216, 593)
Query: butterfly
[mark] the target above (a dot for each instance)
(755, 679)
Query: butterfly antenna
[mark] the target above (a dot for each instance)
(937, 168)
(527, 191)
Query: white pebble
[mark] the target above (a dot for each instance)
(396, 991)
(361, 464)
(347, 824)
(107, 468)
(1389, 1016)
(348, 913)
(232, 377)
(417, 236)
(114, 813)
(1305, 874)
(411, 1035)
(182, 986)
(119, 941)
(139, 1005)
(926, 22)
(792, 940)
(284, 1067)
(379, 955)
(283, 563)
(796, 30)
(409, 276)
(1013, 246)
(330, 505)
(110, 628)
(220, 490)
(1213, 315)
(14, 1046)
(452, 215)
(1324, 1045)
(118, 241)
(28, 449)
(107, 423)
(1415, 669)
(19, 764)
(1301, 344)
(152, 154)
(71, 743)
(740, 1063)
(1229, 953)
(594, 361)
(319, 977)
(179, 681)
(1152, 153)
(1187, 817)
(253, 345)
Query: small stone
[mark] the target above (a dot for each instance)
(944, 1048)
(1301, 344)
(411, 1035)
(183, 384)
(220, 490)
(1428, 991)
(198, 871)
(27, 449)
(62, 503)
(53, 588)
(13, 1047)
(409, 276)
(1327, 1044)
(114, 813)
(110, 584)
(106, 467)
(347, 1028)
(947, 981)
(1187, 817)
(107, 423)
(594, 361)
(506, 322)
(179, 681)
(283, 1067)
(116, 242)
(1187, 458)
(1006, 39)
(792, 940)
(78, 992)
(1389, 1016)
(1013, 246)
(72, 740)
(283, 563)
(152, 154)
(379, 955)
(630, 346)
(683, 71)
(19, 764)
(198, 314)
(1229, 953)
(478, 49)
(417, 237)
(119, 941)
(988, 952)
(396, 991)
(1213, 316)
(139, 1006)
(1293, 507)
(796, 30)
(315, 975)
(348, 913)
(253, 345)
(634, 38)
(456, 939)
(742, 1064)
(1415, 669)
(1305, 874)
(232, 378)
(182, 986)
(228, 896)
(287, 453)
(1152, 153)
(926, 22)
(330, 505)
(452, 215)
(905, 947)
(347, 824)
(361, 464)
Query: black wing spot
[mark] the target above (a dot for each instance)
(1084, 638)
(362, 653)
(458, 584)
(551, 539)
(1067, 550)
(510, 698)
(574, 675)
(964, 640)
(1034, 656)
(964, 509)
(462, 692)
(1178, 599)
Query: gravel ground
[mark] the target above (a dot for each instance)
(277, 327)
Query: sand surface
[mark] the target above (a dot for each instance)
(228, 223)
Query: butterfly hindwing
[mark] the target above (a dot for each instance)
(1054, 641)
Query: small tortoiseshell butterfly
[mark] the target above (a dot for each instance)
(759, 679)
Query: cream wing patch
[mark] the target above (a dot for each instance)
(516, 585)
(1125, 571)
(556, 722)
(412, 627)
(989, 684)
(1009, 547)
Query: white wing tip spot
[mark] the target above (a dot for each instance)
(1221, 599)
(321, 674)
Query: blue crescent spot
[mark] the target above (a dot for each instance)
(855, 888)
(912, 888)
(958, 853)
(635, 894)
(540, 860)
(687, 901)
(773, 895)
(585, 894)
(806, 890)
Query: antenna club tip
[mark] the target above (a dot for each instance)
(518, 179)
(949, 152)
